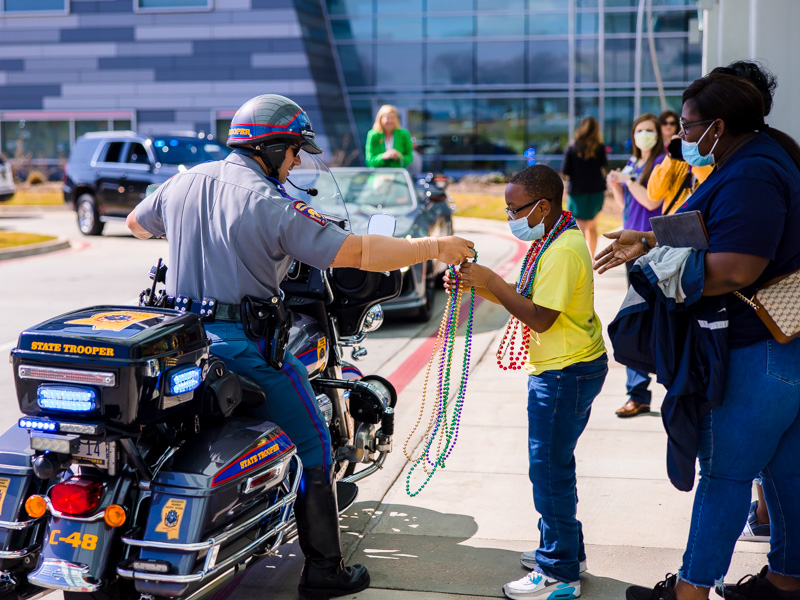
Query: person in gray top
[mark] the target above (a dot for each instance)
(233, 231)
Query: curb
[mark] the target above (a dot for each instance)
(34, 249)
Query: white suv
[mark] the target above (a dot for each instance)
(6, 182)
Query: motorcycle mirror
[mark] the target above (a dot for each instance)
(382, 224)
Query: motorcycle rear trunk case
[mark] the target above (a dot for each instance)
(202, 491)
(139, 345)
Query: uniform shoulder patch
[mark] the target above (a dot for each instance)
(305, 209)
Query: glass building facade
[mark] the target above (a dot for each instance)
(490, 84)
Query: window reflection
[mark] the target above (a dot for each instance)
(619, 57)
(548, 125)
(352, 29)
(449, 63)
(33, 5)
(586, 61)
(398, 6)
(619, 118)
(500, 62)
(500, 123)
(449, 5)
(501, 25)
(445, 27)
(548, 61)
(350, 7)
(586, 22)
(500, 4)
(677, 60)
(548, 24)
(620, 22)
(357, 64)
(398, 65)
(399, 28)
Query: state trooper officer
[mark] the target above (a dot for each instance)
(233, 232)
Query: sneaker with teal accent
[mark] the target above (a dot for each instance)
(528, 560)
(540, 586)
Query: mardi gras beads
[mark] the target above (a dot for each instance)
(516, 357)
(440, 429)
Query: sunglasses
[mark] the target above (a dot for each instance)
(670, 123)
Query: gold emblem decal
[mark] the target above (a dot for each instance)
(114, 321)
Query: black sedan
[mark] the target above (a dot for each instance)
(368, 191)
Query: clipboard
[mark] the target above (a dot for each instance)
(681, 230)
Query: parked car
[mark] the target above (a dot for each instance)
(6, 182)
(368, 191)
(108, 171)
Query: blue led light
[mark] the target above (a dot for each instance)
(67, 398)
(185, 380)
(26, 423)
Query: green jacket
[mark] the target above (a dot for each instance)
(376, 145)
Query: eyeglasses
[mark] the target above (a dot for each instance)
(670, 123)
(688, 124)
(512, 212)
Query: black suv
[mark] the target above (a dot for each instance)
(109, 171)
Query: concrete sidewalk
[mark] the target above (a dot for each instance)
(463, 533)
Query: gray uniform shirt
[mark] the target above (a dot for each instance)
(231, 233)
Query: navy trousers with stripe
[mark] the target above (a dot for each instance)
(291, 403)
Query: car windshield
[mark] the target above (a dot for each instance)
(376, 191)
(187, 151)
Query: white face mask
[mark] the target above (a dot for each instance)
(645, 140)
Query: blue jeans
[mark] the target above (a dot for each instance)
(559, 404)
(636, 386)
(756, 430)
(291, 403)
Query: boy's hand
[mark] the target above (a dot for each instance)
(473, 275)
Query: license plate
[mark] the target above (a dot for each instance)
(99, 454)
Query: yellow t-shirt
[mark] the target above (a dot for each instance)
(564, 281)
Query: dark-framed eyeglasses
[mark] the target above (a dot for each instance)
(689, 124)
(512, 212)
(671, 123)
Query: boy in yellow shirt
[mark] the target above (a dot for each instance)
(566, 363)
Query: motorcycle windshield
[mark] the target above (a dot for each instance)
(313, 175)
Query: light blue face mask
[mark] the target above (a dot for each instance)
(691, 151)
(523, 231)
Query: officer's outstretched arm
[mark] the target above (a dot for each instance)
(136, 229)
(381, 253)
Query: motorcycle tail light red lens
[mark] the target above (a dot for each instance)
(76, 496)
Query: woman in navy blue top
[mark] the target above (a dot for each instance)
(751, 208)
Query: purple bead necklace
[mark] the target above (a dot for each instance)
(439, 428)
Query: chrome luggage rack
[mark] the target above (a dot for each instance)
(19, 526)
(212, 545)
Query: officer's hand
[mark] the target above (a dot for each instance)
(454, 250)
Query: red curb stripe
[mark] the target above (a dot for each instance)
(409, 368)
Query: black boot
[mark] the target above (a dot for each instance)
(324, 574)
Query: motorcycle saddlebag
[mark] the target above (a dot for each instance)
(119, 364)
(18, 532)
(218, 496)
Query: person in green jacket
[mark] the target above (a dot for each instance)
(387, 144)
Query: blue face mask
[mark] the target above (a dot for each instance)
(691, 151)
(523, 231)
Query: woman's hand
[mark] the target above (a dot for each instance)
(626, 245)
(391, 154)
(473, 275)
(612, 178)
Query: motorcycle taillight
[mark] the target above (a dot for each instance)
(76, 496)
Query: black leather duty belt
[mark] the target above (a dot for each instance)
(209, 309)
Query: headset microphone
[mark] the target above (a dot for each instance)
(310, 191)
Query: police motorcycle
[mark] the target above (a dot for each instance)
(134, 472)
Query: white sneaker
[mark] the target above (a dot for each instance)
(538, 585)
(528, 560)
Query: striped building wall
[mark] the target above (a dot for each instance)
(171, 70)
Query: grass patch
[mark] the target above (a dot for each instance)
(47, 194)
(9, 239)
(490, 206)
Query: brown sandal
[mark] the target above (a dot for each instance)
(632, 408)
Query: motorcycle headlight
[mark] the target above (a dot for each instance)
(373, 320)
